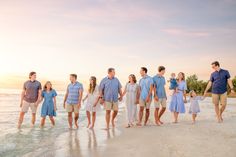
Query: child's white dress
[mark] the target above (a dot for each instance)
(92, 98)
(194, 104)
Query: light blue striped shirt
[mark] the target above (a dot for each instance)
(110, 89)
(145, 83)
(73, 93)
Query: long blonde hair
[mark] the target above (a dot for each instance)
(92, 86)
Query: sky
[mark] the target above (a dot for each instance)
(59, 37)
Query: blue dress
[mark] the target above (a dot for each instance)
(48, 104)
(177, 100)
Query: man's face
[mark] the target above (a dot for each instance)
(72, 78)
(112, 73)
(214, 67)
(162, 72)
(142, 72)
(33, 77)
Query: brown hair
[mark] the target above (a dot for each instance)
(110, 70)
(183, 76)
(31, 74)
(74, 75)
(45, 85)
(92, 86)
(161, 68)
(133, 78)
(216, 63)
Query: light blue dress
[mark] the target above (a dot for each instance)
(48, 104)
(177, 100)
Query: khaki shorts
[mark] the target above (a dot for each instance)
(26, 105)
(72, 108)
(144, 104)
(111, 106)
(220, 99)
(161, 102)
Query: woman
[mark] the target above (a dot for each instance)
(92, 105)
(132, 99)
(49, 105)
(179, 98)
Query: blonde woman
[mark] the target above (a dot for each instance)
(92, 105)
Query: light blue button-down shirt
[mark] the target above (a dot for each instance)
(145, 83)
(73, 93)
(110, 89)
(159, 83)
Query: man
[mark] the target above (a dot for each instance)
(72, 101)
(146, 87)
(218, 80)
(159, 94)
(110, 88)
(30, 98)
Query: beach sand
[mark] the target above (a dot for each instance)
(206, 138)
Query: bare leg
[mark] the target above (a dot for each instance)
(21, 118)
(88, 116)
(76, 120)
(194, 118)
(140, 116)
(114, 114)
(217, 110)
(93, 119)
(33, 119)
(163, 109)
(108, 117)
(221, 112)
(42, 122)
(52, 120)
(176, 114)
(156, 116)
(70, 119)
(147, 116)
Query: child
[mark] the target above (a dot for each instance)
(92, 105)
(49, 105)
(173, 82)
(194, 108)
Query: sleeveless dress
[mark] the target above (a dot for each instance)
(177, 100)
(92, 97)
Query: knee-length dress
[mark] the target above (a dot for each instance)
(194, 107)
(48, 103)
(177, 100)
(92, 98)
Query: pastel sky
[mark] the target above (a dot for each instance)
(56, 38)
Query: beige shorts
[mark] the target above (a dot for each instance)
(144, 104)
(26, 105)
(72, 108)
(220, 99)
(161, 102)
(111, 106)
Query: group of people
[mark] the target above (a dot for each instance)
(109, 93)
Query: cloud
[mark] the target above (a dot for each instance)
(184, 32)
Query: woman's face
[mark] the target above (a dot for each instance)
(91, 81)
(180, 76)
(130, 79)
(49, 86)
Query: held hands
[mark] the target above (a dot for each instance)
(148, 99)
(120, 98)
(79, 106)
(156, 98)
(232, 91)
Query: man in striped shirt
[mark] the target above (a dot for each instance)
(72, 101)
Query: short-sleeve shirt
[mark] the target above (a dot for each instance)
(110, 89)
(159, 83)
(74, 93)
(145, 83)
(31, 91)
(219, 81)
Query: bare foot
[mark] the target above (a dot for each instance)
(91, 127)
(19, 126)
(158, 123)
(161, 122)
(193, 122)
(128, 126)
(175, 122)
(139, 124)
(76, 126)
(88, 125)
(32, 125)
(106, 129)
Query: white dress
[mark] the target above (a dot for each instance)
(194, 104)
(92, 97)
(131, 93)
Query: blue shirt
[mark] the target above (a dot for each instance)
(159, 83)
(145, 83)
(73, 93)
(219, 81)
(110, 89)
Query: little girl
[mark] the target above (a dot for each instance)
(194, 108)
(49, 105)
(92, 105)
